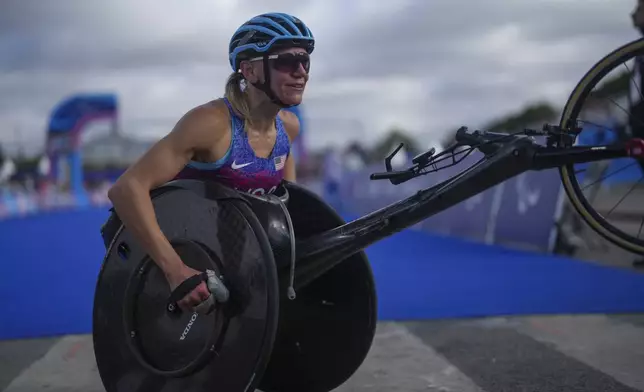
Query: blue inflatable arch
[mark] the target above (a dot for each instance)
(67, 122)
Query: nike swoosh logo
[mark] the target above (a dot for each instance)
(235, 166)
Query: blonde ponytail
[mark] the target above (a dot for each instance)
(237, 98)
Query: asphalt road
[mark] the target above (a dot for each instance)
(558, 353)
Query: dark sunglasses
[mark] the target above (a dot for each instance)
(288, 62)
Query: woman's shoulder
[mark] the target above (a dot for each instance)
(205, 122)
(291, 123)
(210, 109)
(216, 108)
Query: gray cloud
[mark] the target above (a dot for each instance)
(422, 65)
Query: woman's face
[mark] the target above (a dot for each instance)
(289, 70)
(289, 74)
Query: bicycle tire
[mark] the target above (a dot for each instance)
(569, 116)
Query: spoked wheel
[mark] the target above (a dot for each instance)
(611, 102)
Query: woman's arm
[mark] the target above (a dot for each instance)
(292, 128)
(130, 195)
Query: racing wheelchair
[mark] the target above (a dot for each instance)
(295, 299)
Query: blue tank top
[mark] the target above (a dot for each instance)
(240, 168)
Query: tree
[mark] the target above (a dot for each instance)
(611, 89)
(539, 112)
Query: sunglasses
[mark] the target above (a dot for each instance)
(288, 62)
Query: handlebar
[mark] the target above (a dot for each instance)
(396, 177)
(383, 175)
(489, 143)
(486, 142)
(477, 137)
(463, 137)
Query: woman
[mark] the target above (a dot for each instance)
(242, 140)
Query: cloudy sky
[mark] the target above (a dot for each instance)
(423, 65)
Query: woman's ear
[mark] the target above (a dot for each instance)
(249, 71)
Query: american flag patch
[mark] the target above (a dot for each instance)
(279, 162)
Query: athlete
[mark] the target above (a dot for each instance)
(242, 140)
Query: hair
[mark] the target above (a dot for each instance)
(236, 96)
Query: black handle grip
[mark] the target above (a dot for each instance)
(396, 177)
(402, 177)
(184, 289)
(383, 175)
(463, 137)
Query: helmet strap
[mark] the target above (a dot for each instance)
(266, 85)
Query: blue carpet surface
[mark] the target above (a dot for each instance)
(50, 263)
(424, 277)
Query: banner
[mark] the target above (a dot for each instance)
(527, 210)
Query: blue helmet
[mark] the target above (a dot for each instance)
(267, 32)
